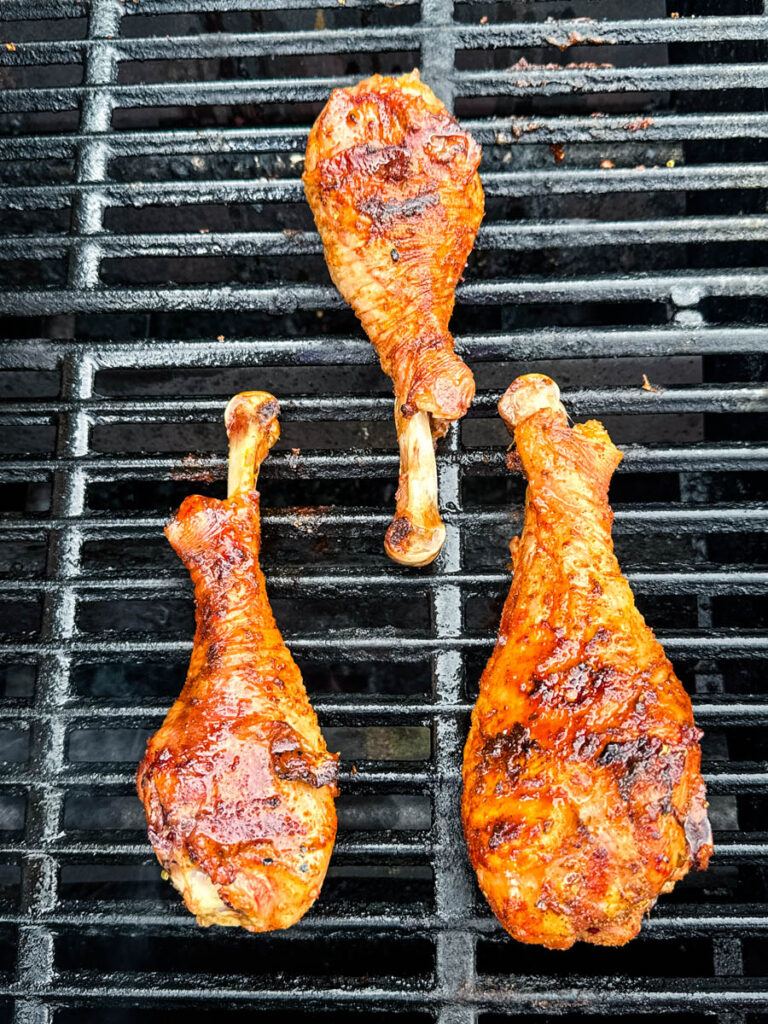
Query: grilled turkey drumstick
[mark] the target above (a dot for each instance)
(583, 798)
(392, 182)
(237, 784)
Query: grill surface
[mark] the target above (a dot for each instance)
(157, 256)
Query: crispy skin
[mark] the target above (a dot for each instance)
(583, 798)
(392, 182)
(237, 784)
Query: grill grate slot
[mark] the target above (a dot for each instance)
(150, 158)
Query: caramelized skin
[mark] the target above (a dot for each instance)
(392, 182)
(583, 798)
(237, 784)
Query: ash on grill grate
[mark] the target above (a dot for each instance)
(156, 256)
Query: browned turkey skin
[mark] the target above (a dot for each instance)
(583, 797)
(392, 182)
(237, 783)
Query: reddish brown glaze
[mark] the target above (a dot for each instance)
(583, 798)
(238, 784)
(393, 185)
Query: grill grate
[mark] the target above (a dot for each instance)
(151, 162)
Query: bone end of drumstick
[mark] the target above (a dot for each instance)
(417, 533)
(410, 543)
(252, 428)
(529, 394)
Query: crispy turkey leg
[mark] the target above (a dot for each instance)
(393, 185)
(583, 798)
(237, 784)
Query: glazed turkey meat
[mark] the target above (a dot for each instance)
(583, 798)
(392, 182)
(237, 784)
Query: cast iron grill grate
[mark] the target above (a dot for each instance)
(157, 257)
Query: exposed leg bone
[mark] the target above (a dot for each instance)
(252, 429)
(416, 534)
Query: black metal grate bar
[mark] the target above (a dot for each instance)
(551, 342)
(663, 127)
(703, 178)
(470, 37)
(39, 874)
(518, 82)
(289, 297)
